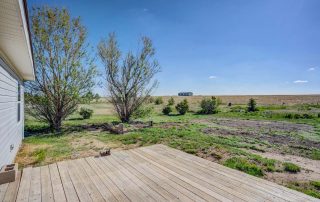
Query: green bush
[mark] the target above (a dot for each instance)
(288, 116)
(290, 167)
(252, 105)
(171, 101)
(244, 165)
(158, 101)
(167, 110)
(86, 113)
(209, 106)
(316, 184)
(318, 115)
(182, 107)
(143, 111)
(307, 116)
(297, 116)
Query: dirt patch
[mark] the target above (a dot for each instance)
(305, 163)
(26, 157)
(258, 125)
(84, 147)
(271, 138)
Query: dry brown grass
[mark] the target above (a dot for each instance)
(261, 99)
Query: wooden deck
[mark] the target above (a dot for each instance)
(154, 173)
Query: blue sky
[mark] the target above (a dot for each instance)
(215, 47)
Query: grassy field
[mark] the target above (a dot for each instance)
(280, 142)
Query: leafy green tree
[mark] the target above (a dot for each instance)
(182, 107)
(64, 69)
(130, 81)
(252, 105)
(209, 106)
(171, 101)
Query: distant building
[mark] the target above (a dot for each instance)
(185, 94)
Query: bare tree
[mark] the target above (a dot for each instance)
(129, 80)
(63, 69)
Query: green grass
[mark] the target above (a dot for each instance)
(309, 188)
(290, 167)
(244, 165)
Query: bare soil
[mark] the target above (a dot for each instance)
(274, 132)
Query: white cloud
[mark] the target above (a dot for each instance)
(301, 81)
(212, 77)
(311, 69)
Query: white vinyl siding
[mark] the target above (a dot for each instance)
(11, 130)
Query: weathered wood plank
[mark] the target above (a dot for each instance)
(81, 190)
(23, 194)
(35, 186)
(85, 179)
(136, 181)
(101, 173)
(194, 192)
(57, 188)
(12, 190)
(46, 186)
(3, 190)
(104, 191)
(166, 187)
(67, 184)
(122, 182)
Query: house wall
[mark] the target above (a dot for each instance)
(11, 127)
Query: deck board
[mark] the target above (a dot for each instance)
(154, 173)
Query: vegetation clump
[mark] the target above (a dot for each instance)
(209, 106)
(182, 107)
(252, 105)
(86, 113)
(143, 111)
(290, 167)
(244, 165)
(158, 101)
(167, 110)
(171, 101)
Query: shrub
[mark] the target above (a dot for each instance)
(318, 115)
(290, 167)
(142, 111)
(288, 116)
(209, 106)
(158, 101)
(244, 165)
(86, 113)
(167, 110)
(307, 116)
(297, 116)
(316, 184)
(252, 105)
(229, 104)
(182, 107)
(171, 101)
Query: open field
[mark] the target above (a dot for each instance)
(280, 142)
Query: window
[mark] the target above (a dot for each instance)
(19, 102)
